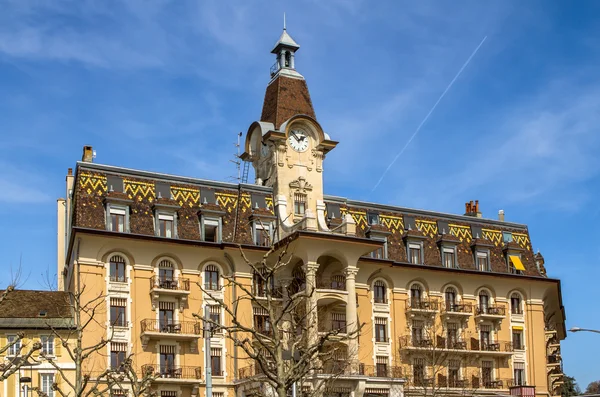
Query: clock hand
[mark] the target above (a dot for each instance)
(296, 135)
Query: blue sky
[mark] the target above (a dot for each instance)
(167, 85)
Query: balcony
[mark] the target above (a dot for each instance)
(453, 383)
(174, 374)
(497, 348)
(553, 361)
(329, 291)
(457, 310)
(335, 327)
(407, 341)
(490, 312)
(422, 306)
(170, 285)
(380, 371)
(157, 329)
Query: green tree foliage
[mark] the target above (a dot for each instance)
(570, 387)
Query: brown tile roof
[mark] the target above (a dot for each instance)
(286, 97)
(29, 304)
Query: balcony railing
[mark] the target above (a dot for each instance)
(491, 346)
(330, 326)
(173, 372)
(490, 310)
(335, 283)
(423, 304)
(381, 371)
(170, 283)
(494, 383)
(453, 383)
(454, 343)
(171, 327)
(419, 342)
(117, 279)
(466, 308)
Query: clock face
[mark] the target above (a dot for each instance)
(298, 140)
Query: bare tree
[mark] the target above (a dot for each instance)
(23, 351)
(285, 348)
(435, 353)
(85, 381)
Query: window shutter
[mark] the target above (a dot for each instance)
(39, 339)
(57, 346)
(127, 228)
(2, 344)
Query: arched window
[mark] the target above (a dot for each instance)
(299, 283)
(380, 292)
(211, 277)
(516, 304)
(484, 302)
(165, 275)
(450, 299)
(416, 296)
(288, 59)
(117, 269)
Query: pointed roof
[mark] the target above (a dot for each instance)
(285, 41)
(286, 97)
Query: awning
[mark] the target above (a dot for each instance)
(516, 261)
(518, 327)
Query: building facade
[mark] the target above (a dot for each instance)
(27, 317)
(448, 304)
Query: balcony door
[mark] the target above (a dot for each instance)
(485, 336)
(167, 360)
(165, 316)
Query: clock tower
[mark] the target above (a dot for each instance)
(287, 145)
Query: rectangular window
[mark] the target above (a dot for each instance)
(380, 253)
(117, 219)
(15, 345)
(167, 360)
(515, 265)
(483, 261)
(487, 377)
(214, 314)
(166, 225)
(47, 344)
(519, 372)
(117, 269)
(382, 366)
(165, 317)
(414, 253)
(417, 332)
(215, 362)
(46, 381)
(380, 293)
(262, 234)
(338, 322)
(485, 336)
(517, 339)
(453, 373)
(373, 218)
(449, 258)
(419, 371)
(299, 203)
(380, 329)
(211, 230)
(118, 317)
(452, 335)
(117, 354)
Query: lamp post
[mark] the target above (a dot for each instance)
(577, 329)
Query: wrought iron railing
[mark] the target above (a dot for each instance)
(450, 307)
(171, 327)
(382, 371)
(412, 341)
(333, 326)
(491, 346)
(335, 283)
(422, 304)
(173, 372)
(172, 283)
(492, 310)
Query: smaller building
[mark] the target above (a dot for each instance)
(34, 314)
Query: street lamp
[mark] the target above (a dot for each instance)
(577, 329)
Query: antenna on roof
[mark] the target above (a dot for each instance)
(242, 175)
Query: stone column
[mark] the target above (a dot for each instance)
(352, 317)
(292, 60)
(312, 318)
(282, 59)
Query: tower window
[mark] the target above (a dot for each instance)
(299, 203)
(288, 59)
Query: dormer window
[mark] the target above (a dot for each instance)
(165, 224)
(299, 204)
(415, 253)
(483, 261)
(373, 218)
(262, 234)
(211, 229)
(515, 265)
(449, 257)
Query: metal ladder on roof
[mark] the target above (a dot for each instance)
(245, 171)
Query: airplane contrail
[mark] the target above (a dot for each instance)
(428, 114)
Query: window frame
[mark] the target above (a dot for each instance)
(115, 278)
(521, 345)
(120, 210)
(258, 231)
(414, 246)
(216, 359)
(162, 215)
(449, 250)
(211, 221)
(47, 342)
(381, 331)
(300, 200)
(383, 250)
(15, 349)
(208, 284)
(118, 310)
(483, 254)
(511, 267)
(519, 311)
(43, 384)
(380, 284)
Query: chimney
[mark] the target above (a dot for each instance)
(88, 154)
(472, 209)
(501, 215)
(70, 172)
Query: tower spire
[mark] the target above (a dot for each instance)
(284, 20)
